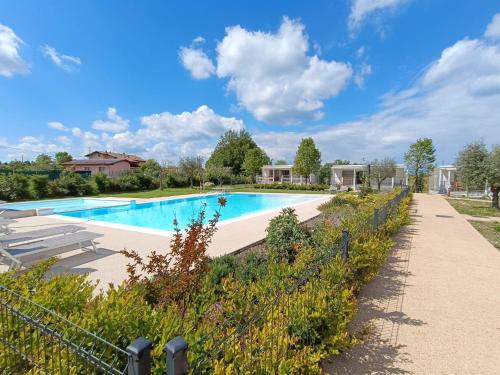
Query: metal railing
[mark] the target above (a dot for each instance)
(257, 338)
(35, 339)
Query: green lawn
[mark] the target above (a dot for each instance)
(474, 207)
(168, 192)
(489, 230)
(157, 193)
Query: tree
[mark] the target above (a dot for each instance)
(341, 162)
(325, 173)
(43, 161)
(307, 159)
(218, 173)
(472, 165)
(420, 159)
(254, 160)
(63, 157)
(231, 150)
(383, 169)
(151, 168)
(280, 162)
(192, 168)
(493, 174)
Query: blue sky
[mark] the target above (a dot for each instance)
(364, 78)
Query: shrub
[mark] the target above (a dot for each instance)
(71, 183)
(174, 180)
(286, 186)
(285, 236)
(14, 187)
(102, 182)
(39, 186)
(175, 277)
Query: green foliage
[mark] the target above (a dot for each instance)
(280, 162)
(307, 158)
(151, 168)
(325, 174)
(176, 180)
(494, 174)
(231, 150)
(218, 173)
(192, 168)
(14, 187)
(255, 158)
(63, 157)
(39, 186)
(285, 186)
(102, 182)
(312, 298)
(43, 161)
(420, 160)
(472, 165)
(381, 170)
(285, 236)
(71, 183)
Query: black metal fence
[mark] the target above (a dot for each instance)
(34, 339)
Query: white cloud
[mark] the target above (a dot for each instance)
(363, 71)
(455, 101)
(360, 52)
(10, 61)
(196, 61)
(362, 9)
(113, 124)
(202, 123)
(493, 29)
(66, 62)
(272, 75)
(58, 126)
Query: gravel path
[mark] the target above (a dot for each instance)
(435, 307)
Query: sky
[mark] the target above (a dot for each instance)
(363, 78)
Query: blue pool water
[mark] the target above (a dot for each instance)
(64, 205)
(161, 214)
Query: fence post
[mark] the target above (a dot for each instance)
(139, 359)
(375, 219)
(345, 245)
(177, 363)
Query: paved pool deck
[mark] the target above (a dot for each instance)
(109, 266)
(435, 306)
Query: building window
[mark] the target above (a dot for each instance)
(102, 169)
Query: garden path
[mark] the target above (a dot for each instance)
(435, 307)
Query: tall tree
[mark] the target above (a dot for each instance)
(151, 168)
(231, 150)
(255, 158)
(472, 165)
(325, 173)
(218, 173)
(192, 168)
(420, 160)
(280, 162)
(43, 161)
(493, 174)
(383, 169)
(63, 157)
(307, 159)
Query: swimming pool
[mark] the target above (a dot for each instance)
(65, 205)
(160, 215)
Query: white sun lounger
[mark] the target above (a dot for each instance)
(37, 235)
(27, 253)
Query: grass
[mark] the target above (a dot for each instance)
(157, 193)
(474, 207)
(168, 192)
(489, 230)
